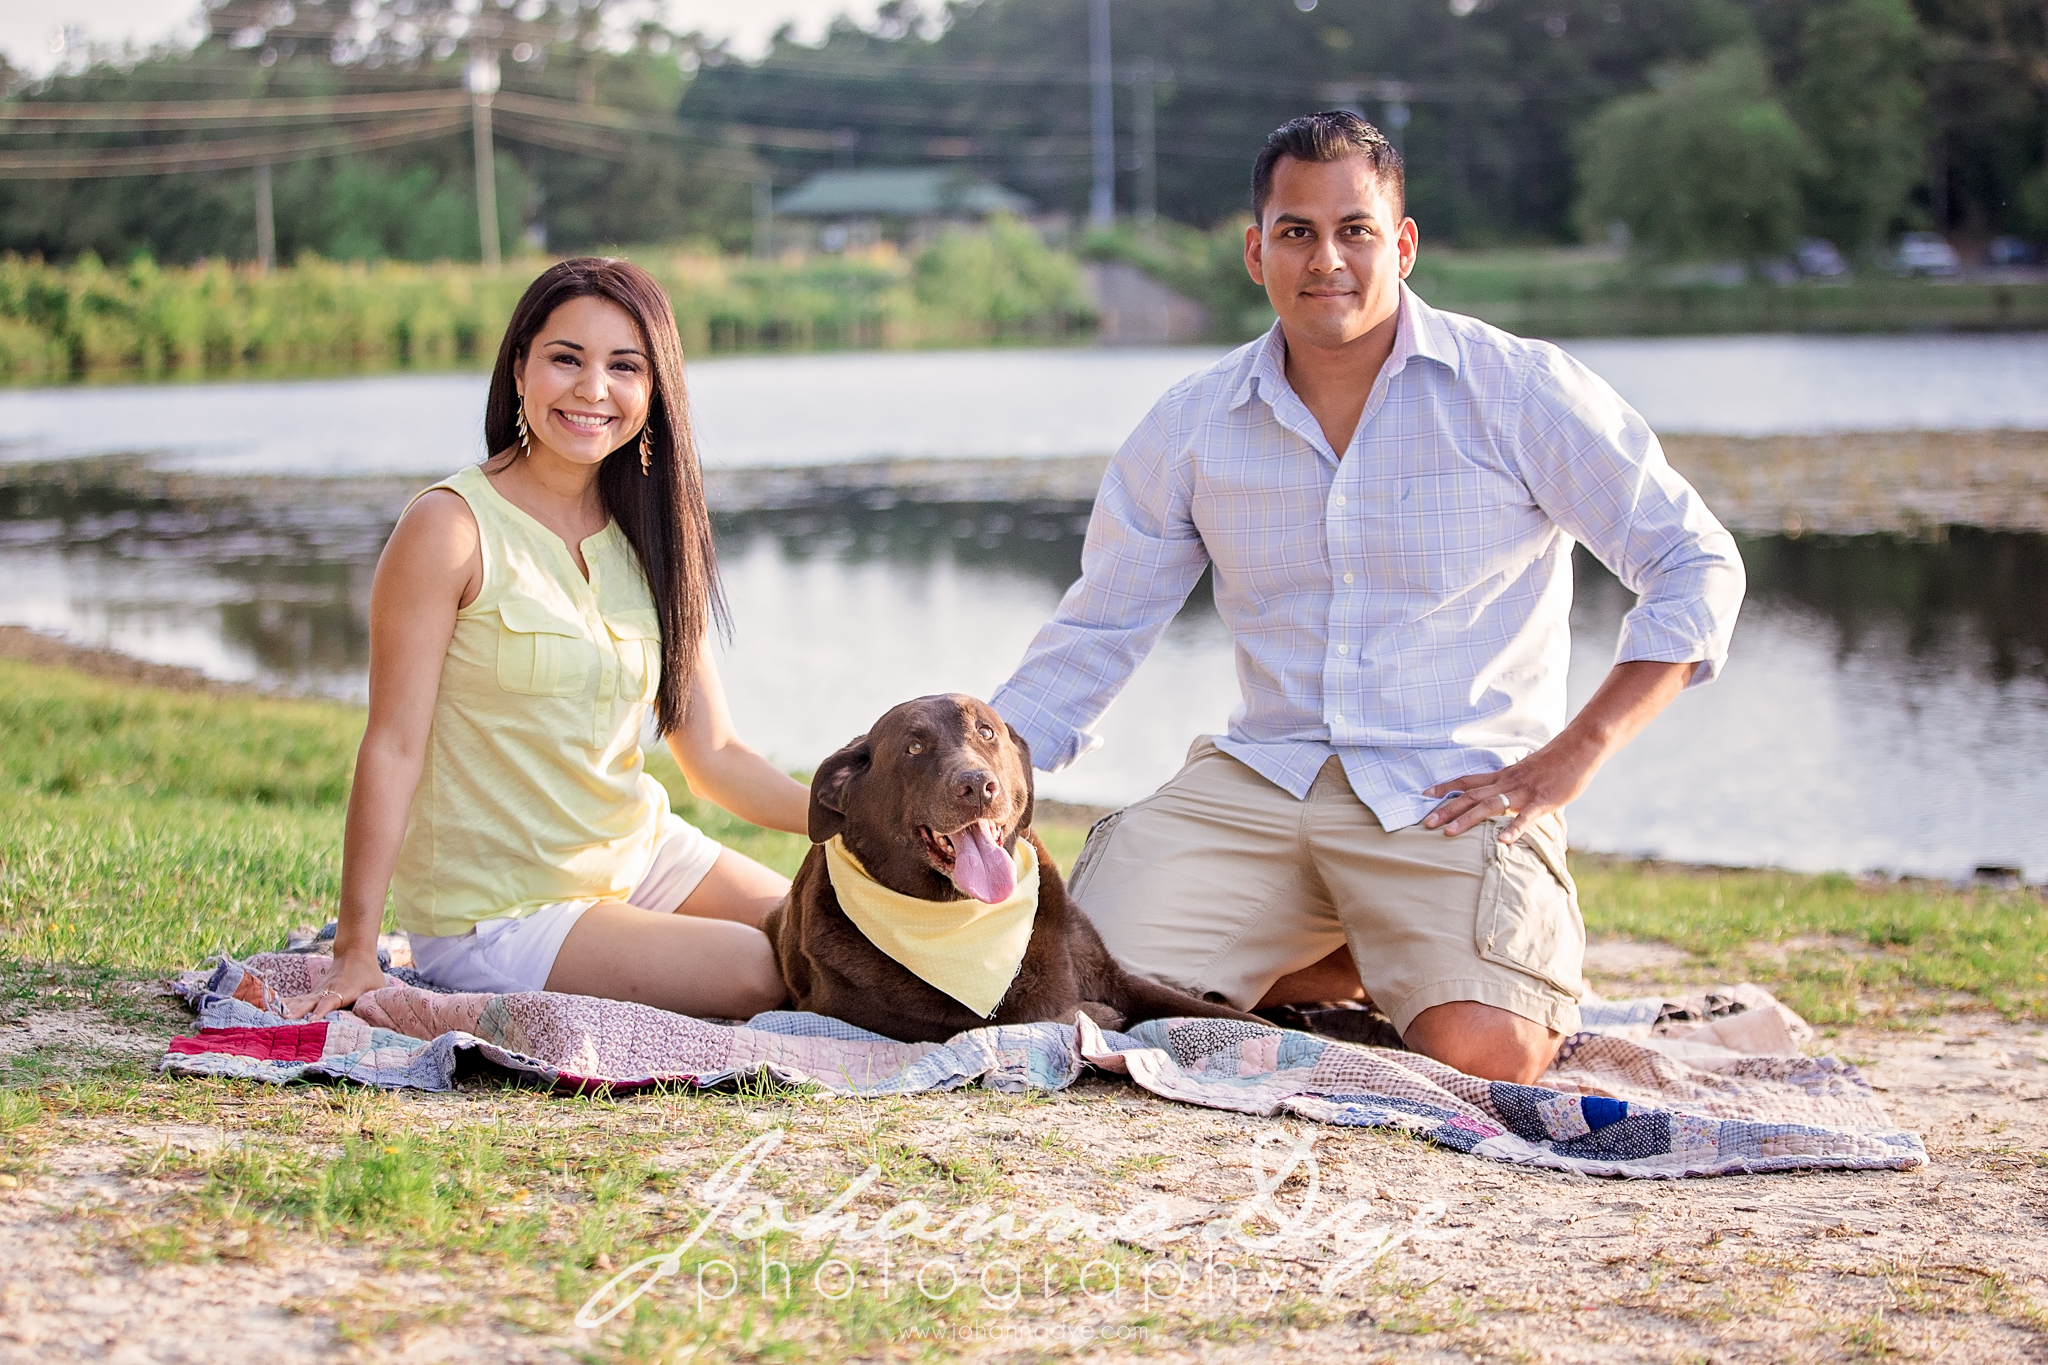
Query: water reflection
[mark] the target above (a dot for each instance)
(1976, 599)
(1886, 706)
(1039, 541)
(273, 590)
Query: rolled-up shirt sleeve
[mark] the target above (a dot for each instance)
(1142, 557)
(1593, 464)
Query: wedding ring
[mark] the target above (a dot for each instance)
(1505, 804)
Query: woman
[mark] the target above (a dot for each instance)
(525, 615)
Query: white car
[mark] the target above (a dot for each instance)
(1819, 259)
(1925, 253)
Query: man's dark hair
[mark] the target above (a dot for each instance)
(1329, 136)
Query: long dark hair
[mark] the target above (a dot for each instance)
(661, 512)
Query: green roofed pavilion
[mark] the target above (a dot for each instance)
(900, 192)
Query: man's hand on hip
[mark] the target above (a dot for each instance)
(1547, 780)
(1553, 777)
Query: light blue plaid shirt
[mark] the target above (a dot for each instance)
(1406, 608)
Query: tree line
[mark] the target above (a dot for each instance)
(1710, 128)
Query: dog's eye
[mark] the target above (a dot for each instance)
(987, 731)
(916, 746)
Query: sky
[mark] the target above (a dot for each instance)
(31, 30)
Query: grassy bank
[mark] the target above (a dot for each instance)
(1562, 292)
(142, 829)
(90, 319)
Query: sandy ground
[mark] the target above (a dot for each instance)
(35, 647)
(1944, 1263)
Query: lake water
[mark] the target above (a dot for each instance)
(820, 409)
(1886, 705)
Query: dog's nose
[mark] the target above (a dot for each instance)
(977, 787)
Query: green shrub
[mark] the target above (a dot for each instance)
(1002, 280)
(61, 322)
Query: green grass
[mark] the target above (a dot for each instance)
(142, 829)
(65, 734)
(1834, 948)
(547, 1198)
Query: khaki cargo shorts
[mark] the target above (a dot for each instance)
(1221, 882)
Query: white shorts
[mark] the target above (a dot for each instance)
(507, 954)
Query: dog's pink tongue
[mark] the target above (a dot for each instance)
(980, 867)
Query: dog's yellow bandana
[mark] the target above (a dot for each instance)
(969, 950)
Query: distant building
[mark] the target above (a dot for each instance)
(907, 205)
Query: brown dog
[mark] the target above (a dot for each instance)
(932, 801)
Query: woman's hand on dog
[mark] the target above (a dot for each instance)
(353, 975)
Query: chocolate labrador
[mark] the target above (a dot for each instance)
(931, 801)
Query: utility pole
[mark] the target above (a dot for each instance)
(1397, 117)
(482, 80)
(1102, 116)
(764, 217)
(266, 224)
(1146, 138)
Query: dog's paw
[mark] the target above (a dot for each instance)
(1105, 1016)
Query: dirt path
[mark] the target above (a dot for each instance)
(30, 646)
(1524, 1265)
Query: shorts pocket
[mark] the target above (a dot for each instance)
(540, 654)
(1084, 861)
(1529, 909)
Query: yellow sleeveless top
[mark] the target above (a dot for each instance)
(534, 789)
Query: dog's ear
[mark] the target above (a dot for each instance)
(832, 788)
(1030, 787)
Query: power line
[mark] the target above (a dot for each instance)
(220, 155)
(1423, 90)
(561, 125)
(556, 124)
(541, 133)
(204, 115)
(114, 116)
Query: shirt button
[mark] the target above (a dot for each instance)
(1339, 499)
(1343, 649)
(1336, 720)
(1347, 578)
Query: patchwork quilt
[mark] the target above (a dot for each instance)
(1714, 1085)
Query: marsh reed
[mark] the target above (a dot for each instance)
(91, 319)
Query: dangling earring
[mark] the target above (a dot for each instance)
(646, 450)
(520, 422)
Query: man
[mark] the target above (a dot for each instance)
(1389, 495)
